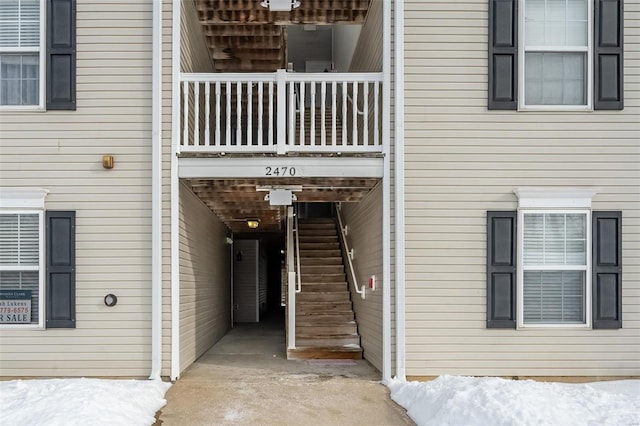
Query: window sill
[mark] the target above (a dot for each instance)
(25, 327)
(538, 327)
(555, 108)
(22, 108)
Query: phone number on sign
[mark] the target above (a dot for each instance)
(6, 310)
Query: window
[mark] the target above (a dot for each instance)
(554, 277)
(22, 53)
(21, 267)
(554, 262)
(555, 52)
(555, 55)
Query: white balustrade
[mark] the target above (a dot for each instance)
(280, 112)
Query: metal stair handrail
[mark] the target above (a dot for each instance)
(362, 291)
(296, 232)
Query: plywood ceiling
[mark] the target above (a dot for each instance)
(236, 200)
(243, 36)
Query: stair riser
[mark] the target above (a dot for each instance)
(319, 238)
(324, 287)
(320, 261)
(322, 297)
(326, 278)
(311, 253)
(324, 319)
(319, 246)
(329, 341)
(313, 331)
(329, 308)
(323, 353)
(317, 232)
(322, 270)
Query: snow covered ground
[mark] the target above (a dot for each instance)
(70, 402)
(448, 400)
(454, 400)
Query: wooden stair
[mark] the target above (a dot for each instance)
(328, 125)
(325, 321)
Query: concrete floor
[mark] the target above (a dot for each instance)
(245, 379)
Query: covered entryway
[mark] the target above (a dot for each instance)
(305, 261)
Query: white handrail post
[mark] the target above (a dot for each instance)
(281, 110)
(291, 284)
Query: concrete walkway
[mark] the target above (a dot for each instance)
(245, 379)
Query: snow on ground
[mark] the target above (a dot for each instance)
(454, 400)
(69, 402)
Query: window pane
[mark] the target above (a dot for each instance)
(554, 239)
(534, 22)
(554, 297)
(19, 79)
(19, 239)
(555, 78)
(19, 23)
(23, 280)
(555, 23)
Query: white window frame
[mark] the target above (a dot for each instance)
(27, 200)
(42, 50)
(40, 268)
(521, 63)
(521, 269)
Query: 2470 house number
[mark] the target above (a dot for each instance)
(280, 171)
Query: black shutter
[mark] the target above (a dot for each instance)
(61, 54)
(607, 269)
(61, 269)
(608, 54)
(503, 54)
(501, 269)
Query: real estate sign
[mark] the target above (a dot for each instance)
(15, 306)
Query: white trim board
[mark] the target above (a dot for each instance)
(256, 167)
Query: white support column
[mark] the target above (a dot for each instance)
(281, 111)
(291, 284)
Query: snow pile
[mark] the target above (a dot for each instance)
(451, 400)
(81, 402)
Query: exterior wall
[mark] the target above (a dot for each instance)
(62, 152)
(364, 221)
(205, 278)
(462, 160)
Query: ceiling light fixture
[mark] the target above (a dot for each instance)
(280, 5)
(253, 223)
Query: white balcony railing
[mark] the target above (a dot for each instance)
(280, 112)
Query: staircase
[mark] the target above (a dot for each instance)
(318, 124)
(325, 321)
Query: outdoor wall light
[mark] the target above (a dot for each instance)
(107, 161)
(280, 5)
(253, 223)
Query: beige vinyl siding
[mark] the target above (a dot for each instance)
(364, 222)
(205, 274)
(462, 160)
(62, 151)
